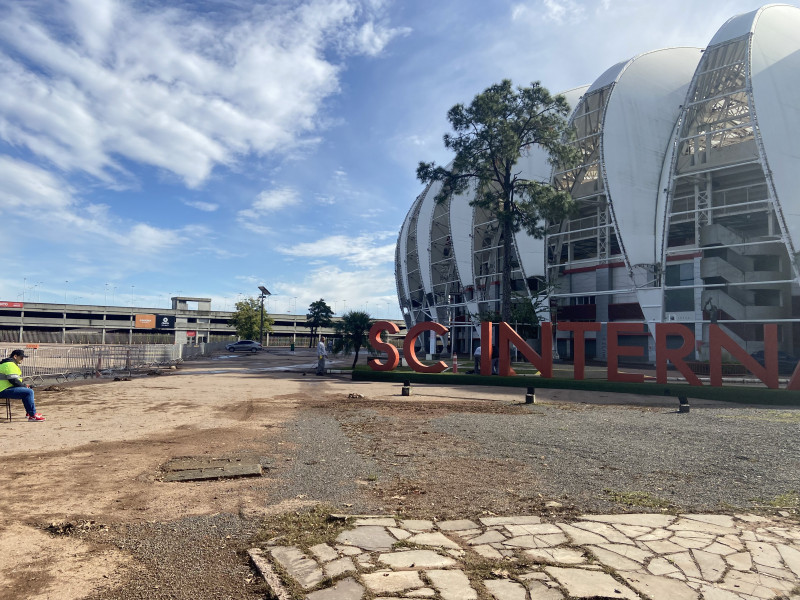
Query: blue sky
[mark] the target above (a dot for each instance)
(211, 146)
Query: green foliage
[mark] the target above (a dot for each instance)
(352, 332)
(490, 135)
(247, 319)
(319, 315)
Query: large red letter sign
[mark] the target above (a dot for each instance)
(579, 344)
(408, 347)
(674, 355)
(615, 350)
(544, 363)
(392, 355)
(718, 339)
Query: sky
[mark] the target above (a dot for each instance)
(202, 148)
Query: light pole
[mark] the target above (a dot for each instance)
(264, 293)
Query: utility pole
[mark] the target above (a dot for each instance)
(264, 293)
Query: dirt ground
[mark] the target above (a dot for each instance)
(87, 515)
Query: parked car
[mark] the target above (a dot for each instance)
(786, 362)
(244, 346)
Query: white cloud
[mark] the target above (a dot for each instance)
(51, 211)
(276, 199)
(363, 250)
(200, 205)
(341, 289)
(178, 90)
(266, 203)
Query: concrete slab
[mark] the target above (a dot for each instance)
(457, 525)
(433, 538)
(712, 566)
(389, 582)
(581, 536)
(416, 559)
(741, 561)
(380, 521)
(660, 588)
(487, 551)
(641, 519)
(324, 553)
(557, 556)
(305, 571)
(452, 585)
(230, 471)
(400, 534)
(489, 537)
(346, 589)
(416, 524)
(685, 562)
(607, 531)
(425, 592)
(505, 589)
(339, 567)
(613, 560)
(541, 591)
(687, 524)
(533, 529)
(368, 537)
(791, 557)
(512, 520)
(581, 583)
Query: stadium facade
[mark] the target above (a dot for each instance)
(687, 208)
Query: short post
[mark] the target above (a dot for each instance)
(683, 404)
(530, 397)
(406, 388)
(455, 363)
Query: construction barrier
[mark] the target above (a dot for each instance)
(65, 363)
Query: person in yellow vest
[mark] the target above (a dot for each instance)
(11, 385)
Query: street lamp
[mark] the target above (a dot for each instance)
(264, 293)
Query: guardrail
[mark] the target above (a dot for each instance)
(72, 362)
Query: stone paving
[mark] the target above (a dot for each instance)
(633, 556)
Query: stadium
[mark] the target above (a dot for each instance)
(687, 209)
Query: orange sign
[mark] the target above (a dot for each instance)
(718, 340)
(145, 322)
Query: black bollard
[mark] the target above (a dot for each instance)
(406, 388)
(530, 397)
(683, 406)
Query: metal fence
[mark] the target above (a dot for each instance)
(72, 362)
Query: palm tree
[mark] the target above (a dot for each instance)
(353, 331)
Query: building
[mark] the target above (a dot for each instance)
(189, 320)
(686, 208)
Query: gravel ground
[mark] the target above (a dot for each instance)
(589, 457)
(195, 557)
(321, 464)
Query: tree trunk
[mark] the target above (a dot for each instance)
(355, 360)
(505, 292)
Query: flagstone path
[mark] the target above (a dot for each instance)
(632, 556)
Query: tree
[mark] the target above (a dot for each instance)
(353, 330)
(319, 315)
(490, 135)
(247, 319)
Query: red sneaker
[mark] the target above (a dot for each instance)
(36, 417)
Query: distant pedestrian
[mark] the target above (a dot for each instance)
(477, 356)
(322, 354)
(11, 385)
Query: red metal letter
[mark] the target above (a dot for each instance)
(544, 363)
(718, 339)
(408, 347)
(486, 348)
(674, 355)
(392, 355)
(615, 350)
(579, 344)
